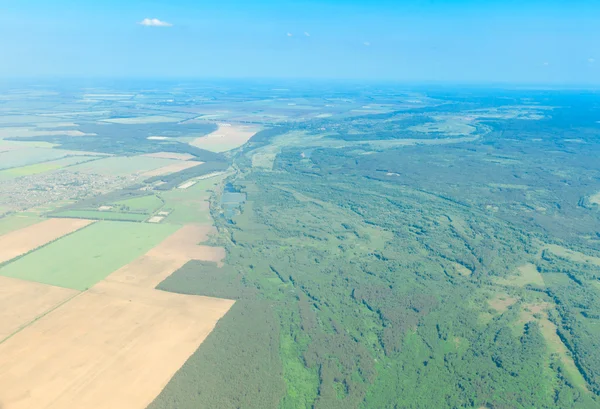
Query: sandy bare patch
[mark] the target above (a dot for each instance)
(114, 346)
(226, 137)
(104, 208)
(187, 184)
(23, 301)
(29, 238)
(170, 155)
(172, 168)
(155, 219)
(595, 199)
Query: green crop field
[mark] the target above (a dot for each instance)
(189, 205)
(100, 215)
(43, 167)
(83, 258)
(16, 222)
(144, 204)
(28, 156)
(122, 166)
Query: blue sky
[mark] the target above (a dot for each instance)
(467, 41)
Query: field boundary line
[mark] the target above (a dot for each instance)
(39, 317)
(7, 262)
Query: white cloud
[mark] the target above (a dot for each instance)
(154, 22)
(289, 34)
(546, 64)
(367, 44)
(591, 60)
(306, 33)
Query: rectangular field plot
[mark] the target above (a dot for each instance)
(171, 254)
(28, 156)
(24, 240)
(172, 168)
(123, 166)
(114, 346)
(145, 204)
(16, 222)
(23, 301)
(102, 215)
(43, 167)
(226, 138)
(190, 205)
(82, 259)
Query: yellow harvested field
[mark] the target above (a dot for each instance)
(170, 155)
(116, 345)
(113, 346)
(172, 253)
(172, 168)
(147, 271)
(22, 241)
(184, 244)
(23, 301)
(226, 137)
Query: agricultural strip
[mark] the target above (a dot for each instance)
(23, 301)
(16, 221)
(102, 215)
(43, 167)
(169, 155)
(191, 204)
(171, 254)
(29, 238)
(114, 346)
(80, 260)
(225, 138)
(175, 167)
(122, 166)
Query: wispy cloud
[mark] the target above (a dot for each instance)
(306, 33)
(154, 22)
(591, 60)
(546, 63)
(290, 35)
(367, 44)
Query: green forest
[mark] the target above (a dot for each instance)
(461, 275)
